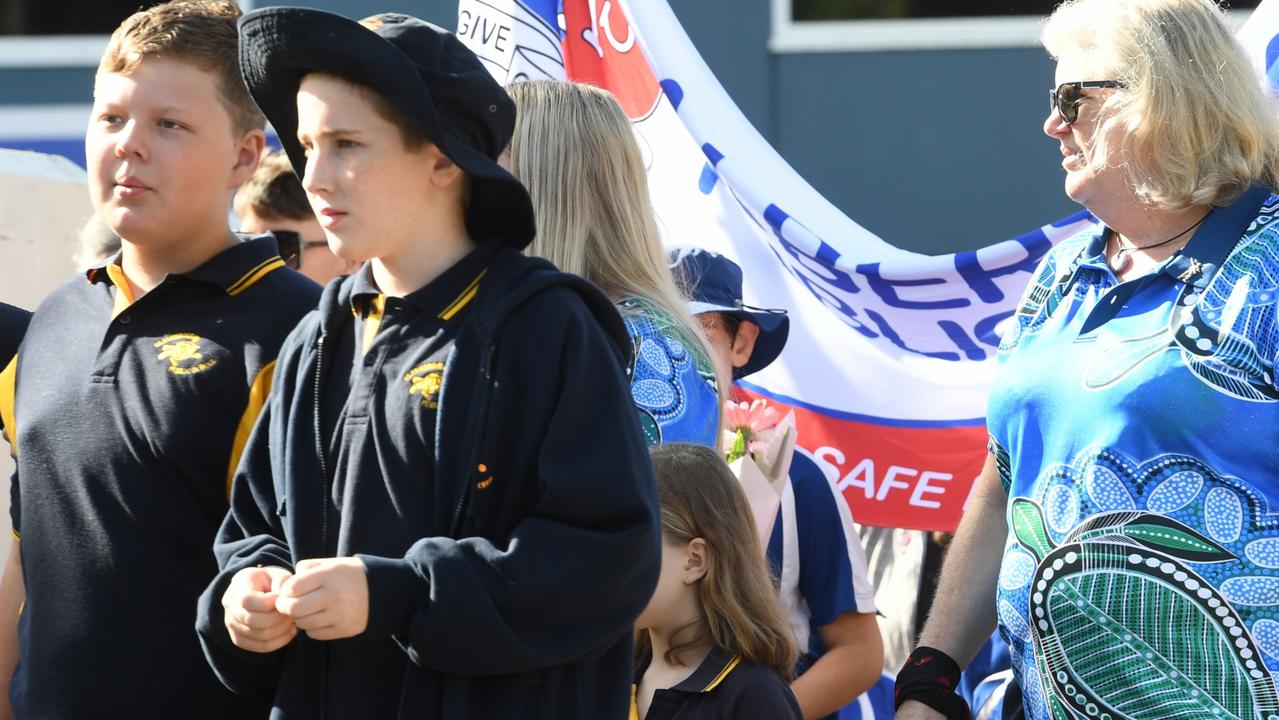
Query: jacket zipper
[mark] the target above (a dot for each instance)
(324, 503)
(473, 457)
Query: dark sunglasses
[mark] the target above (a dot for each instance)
(291, 246)
(1066, 97)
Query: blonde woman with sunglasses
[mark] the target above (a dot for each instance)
(1121, 534)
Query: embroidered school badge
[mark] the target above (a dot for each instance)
(425, 380)
(183, 353)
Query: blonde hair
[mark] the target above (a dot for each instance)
(1195, 125)
(575, 151)
(741, 611)
(199, 32)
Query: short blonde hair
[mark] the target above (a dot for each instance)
(199, 32)
(1195, 126)
(575, 151)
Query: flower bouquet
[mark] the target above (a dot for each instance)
(758, 443)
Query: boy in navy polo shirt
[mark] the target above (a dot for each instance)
(448, 509)
(137, 384)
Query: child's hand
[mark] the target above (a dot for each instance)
(328, 598)
(250, 613)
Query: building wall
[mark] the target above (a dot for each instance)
(935, 151)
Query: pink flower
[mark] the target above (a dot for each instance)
(748, 427)
(754, 417)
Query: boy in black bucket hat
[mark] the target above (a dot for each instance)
(448, 509)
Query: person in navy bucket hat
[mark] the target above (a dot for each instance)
(448, 510)
(714, 284)
(813, 549)
(423, 71)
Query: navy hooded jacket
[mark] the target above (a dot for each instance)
(511, 595)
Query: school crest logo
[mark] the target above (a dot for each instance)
(184, 354)
(425, 381)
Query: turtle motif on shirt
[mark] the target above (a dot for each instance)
(1124, 628)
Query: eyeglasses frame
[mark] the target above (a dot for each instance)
(1069, 111)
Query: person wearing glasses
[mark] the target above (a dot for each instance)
(1122, 533)
(273, 201)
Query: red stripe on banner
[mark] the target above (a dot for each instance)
(601, 48)
(916, 478)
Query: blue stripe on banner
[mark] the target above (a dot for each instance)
(857, 417)
(707, 181)
(673, 91)
(712, 153)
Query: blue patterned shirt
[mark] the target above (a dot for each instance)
(1141, 460)
(672, 385)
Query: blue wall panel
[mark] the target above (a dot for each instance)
(935, 151)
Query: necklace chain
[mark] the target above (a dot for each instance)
(1135, 247)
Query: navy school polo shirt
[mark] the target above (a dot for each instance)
(129, 420)
(380, 402)
(723, 687)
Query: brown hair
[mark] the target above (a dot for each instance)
(410, 135)
(274, 192)
(200, 32)
(742, 613)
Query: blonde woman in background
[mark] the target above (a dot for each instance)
(575, 151)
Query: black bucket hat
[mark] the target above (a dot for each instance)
(715, 284)
(422, 70)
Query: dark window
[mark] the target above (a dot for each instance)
(869, 9)
(66, 17)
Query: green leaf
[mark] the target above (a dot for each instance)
(1028, 526)
(1173, 538)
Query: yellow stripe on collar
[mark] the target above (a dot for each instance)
(123, 295)
(723, 673)
(372, 322)
(258, 272)
(464, 299)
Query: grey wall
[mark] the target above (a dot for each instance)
(935, 151)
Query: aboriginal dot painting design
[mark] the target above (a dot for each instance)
(674, 395)
(1227, 336)
(1044, 293)
(1142, 590)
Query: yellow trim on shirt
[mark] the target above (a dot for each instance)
(372, 322)
(8, 389)
(634, 702)
(723, 673)
(258, 393)
(464, 299)
(123, 295)
(258, 272)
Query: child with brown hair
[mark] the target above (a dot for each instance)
(713, 641)
(274, 201)
(447, 510)
(136, 385)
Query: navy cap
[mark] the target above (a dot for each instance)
(715, 284)
(422, 70)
